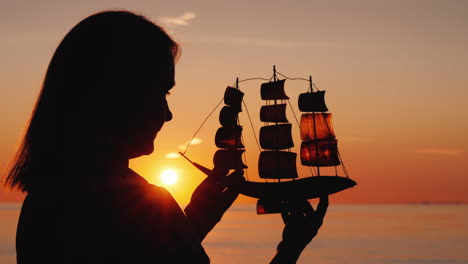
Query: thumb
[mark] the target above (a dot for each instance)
(231, 193)
(234, 179)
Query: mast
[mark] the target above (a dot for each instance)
(319, 144)
(229, 136)
(276, 161)
(315, 129)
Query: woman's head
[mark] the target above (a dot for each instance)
(103, 97)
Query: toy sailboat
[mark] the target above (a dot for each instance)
(318, 148)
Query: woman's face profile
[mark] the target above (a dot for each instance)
(149, 110)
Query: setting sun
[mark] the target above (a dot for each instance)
(169, 177)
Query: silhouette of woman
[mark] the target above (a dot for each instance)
(102, 103)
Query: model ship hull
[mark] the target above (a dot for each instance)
(304, 188)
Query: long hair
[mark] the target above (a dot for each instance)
(90, 74)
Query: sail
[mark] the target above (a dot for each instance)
(312, 102)
(273, 91)
(229, 137)
(277, 165)
(233, 97)
(327, 153)
(228, 116)
(273, 113)
(276, 137)
(323, 126)
(229, 159)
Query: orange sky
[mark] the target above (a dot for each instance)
(394, 72)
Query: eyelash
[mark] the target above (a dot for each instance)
(168, 93)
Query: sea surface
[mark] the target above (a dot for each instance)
(396, 234)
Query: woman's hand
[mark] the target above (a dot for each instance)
(211, 199)
(301, 225)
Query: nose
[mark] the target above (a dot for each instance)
(168, 113)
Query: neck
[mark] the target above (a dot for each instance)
(110, 164)
(97, 164)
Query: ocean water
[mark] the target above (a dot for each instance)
(396, 234)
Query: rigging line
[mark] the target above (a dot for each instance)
(312, 170)
(204, 121)
(315, 86)
(302, 79)
(245, 161)
(294, 114)
(251, 79)
(251, 125)
(343, 165)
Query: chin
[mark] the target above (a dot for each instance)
(142, 150)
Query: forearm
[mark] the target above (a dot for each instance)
(201, 222)
(198, 228)
(287, 253)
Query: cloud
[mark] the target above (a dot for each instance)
(172, 155)
(175, 155)
(440, 151)
(195, 141)
(182, 20)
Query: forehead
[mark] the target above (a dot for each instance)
(155, 68)
(168, 75)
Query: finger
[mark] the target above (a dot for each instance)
(297, 206)
(219, 172)
(296, 214)
(234, 179)
(322, 207)
(308, 209)
(227, 198)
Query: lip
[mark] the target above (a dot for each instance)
(156, 129)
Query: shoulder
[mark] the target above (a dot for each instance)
(131, 196)
(141, 219)
(135, 189)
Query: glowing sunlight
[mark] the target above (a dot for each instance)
(169, 177)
